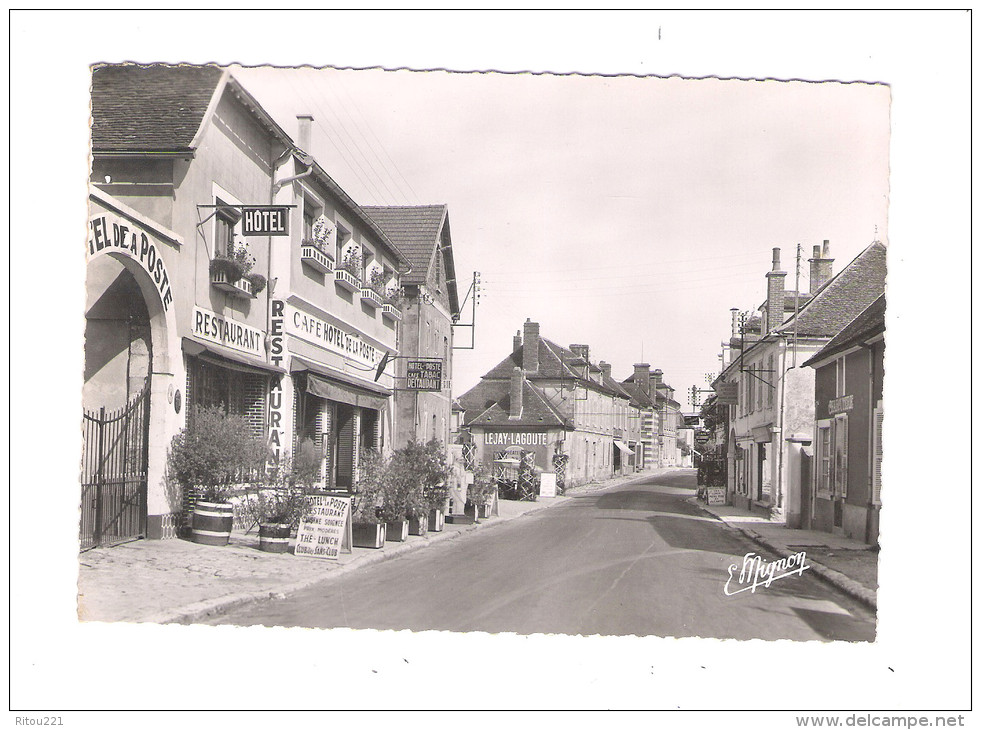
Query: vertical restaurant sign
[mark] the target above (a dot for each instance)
(208, 325)
(329, 336)
(277, 432)
(322, 530)
(109, 233)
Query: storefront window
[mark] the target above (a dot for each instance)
(237, 393)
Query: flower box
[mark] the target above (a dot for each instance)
(314, 257)
(239, 288)
(368, 534)
(436, 520)
(418, 526)
(371, 298)
(397, 531)
(392, 312)
(346, 280)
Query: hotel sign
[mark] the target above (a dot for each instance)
(424, 375)
(265, 220)
(109, 233)
(840, 405)
(329, 336)
(212, 327)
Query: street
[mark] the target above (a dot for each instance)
(636, 559)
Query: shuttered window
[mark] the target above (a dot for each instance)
(876, 454)
(345, 446)
(824, 457)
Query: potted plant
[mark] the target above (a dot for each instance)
(352, 262)
(401, 485)
(367, 529)
(208, 458)
(376, 282)
(258, 282)
(280, 508)
(478, 494)
(233, 265)
(435, 483)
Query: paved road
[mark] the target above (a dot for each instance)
(632, 560)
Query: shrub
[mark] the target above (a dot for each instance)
(215, 452)
(482, 487)
(368, 488)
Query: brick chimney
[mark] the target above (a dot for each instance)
(517, 385)
(517, 342)
(529, 358)
(580, 351)
(305, 122)
(775, 293)
(607, 369)
(735, 322)
(642, 376)
(820, 266)
(656, 378)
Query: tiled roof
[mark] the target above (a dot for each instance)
(869, 323)
(637, 393)
(489, 404)
(844, 297)
(415, 230)
(155, 108)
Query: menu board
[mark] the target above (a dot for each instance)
(326, 528)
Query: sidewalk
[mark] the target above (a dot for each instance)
(850, 565)
(166, 581)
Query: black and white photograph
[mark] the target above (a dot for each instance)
(445, 378)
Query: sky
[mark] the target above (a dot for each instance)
(675, 189)
(627, 213)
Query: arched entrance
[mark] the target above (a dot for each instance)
(129, 398)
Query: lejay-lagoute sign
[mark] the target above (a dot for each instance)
(424, 375)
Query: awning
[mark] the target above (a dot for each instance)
(339, 387)
(228, 358)
(623, 447)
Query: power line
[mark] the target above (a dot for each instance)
(550, 280)
(746, 254)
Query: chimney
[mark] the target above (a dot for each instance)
(517, 342)
(305, 122)
(607, 369)
(735, 322)
(642, 376)
(656, 378)
(530, 351)
(517, 384)
(580, 351)
(820, 266)
(775, 293)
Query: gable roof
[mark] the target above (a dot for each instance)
(420, 232)
(637, 393)
(871, 322)
(844, 297)
(489, 404)
(155, 108)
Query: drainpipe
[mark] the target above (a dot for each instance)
(781, 497)
(303, 160)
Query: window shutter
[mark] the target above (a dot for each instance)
(876, 455)
(345, 447)
(841, 438)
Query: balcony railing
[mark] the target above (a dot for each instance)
(372, 298)
(392, 312)
(316, 258)
(346, 280)
(241, 288)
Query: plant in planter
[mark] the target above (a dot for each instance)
(352, 262)
(479, 492)
(376, 282)
(367, 528)
(402, 491)
(258, 282)
(208, 458)
(234, 265)
(435, 480)
(279, 508)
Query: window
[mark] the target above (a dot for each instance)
(225, 221)
(772, 379)
(343, 238)
(824, 456)
(236, 392)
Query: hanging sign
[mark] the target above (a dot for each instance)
(424, 375)
(728, 393)
(325, 529)
(265, 220)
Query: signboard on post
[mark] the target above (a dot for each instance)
(424, 375)
(548, 484)
(265, 220)
(326, 529)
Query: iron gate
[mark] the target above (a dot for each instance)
(114, 469)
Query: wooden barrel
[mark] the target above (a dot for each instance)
(274, 537)
(211, 523)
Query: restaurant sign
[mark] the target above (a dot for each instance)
(842, 404)
(265, 220)
(212, 327)
(424, 375)
(325, 527)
